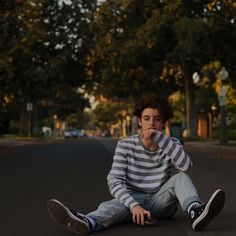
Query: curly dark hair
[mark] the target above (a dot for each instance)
(156, 103)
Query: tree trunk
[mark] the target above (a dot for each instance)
(23, 121)
(191, 118)
(35, 120)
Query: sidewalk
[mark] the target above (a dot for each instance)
(23, 141)
(17, 142)
(213, 148)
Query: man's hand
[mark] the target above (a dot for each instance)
(148, 135)
(139, 215)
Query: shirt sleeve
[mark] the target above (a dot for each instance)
(117, 177)
(173, 148)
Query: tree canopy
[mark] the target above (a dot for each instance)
(51, 50)
(42, 46)
(156, 46)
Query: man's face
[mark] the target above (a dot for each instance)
(151, 119)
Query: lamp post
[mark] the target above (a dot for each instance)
(211, 116)
(29, 108)
(55, 124)
(223, 74)
(213, 111)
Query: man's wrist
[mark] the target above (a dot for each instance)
(133, 205)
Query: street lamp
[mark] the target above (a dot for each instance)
(196, 77)
(223, 75)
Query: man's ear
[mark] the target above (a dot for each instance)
(139, 121)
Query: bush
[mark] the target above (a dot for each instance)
(231, 133)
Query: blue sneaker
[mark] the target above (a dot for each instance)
(202, 215)
(76, 222)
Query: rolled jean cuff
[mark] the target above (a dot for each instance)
(188, 201)
(97, 227)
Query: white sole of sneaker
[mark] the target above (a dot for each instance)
(61, 214)
(212, 209)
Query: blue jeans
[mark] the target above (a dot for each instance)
(179, 189)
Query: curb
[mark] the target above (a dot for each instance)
(15, 143)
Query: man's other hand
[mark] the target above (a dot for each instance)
(139, 215)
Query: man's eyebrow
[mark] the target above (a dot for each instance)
(151, 116)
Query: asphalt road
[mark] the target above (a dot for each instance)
(74, 171)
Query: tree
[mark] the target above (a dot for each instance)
(67, 25)
(51, 39)
(8, 38)
(108, 113)
(192, 51)
(197, 45)
(156, 46)
(124, 61)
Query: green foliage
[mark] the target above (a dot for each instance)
(129, 51)
(108, 113)
(230, 133)
(124, 49)
(43, 45)
(135, 40)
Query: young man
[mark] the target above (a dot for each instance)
(141, 183)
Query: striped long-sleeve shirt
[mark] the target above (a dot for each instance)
(136, 168)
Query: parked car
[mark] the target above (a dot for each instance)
(73, 133)
(81, 133)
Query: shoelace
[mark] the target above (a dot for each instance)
(82, 217)
(200, 209)
(196, 210)
(79, 215)
(196, 205)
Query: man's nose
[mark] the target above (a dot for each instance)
(152, 121)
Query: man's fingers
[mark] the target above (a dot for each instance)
(139, 215)
(137, 219)
(148, 134)
(148, 213)
(142, 219)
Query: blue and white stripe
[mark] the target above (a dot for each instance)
(136, 168)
